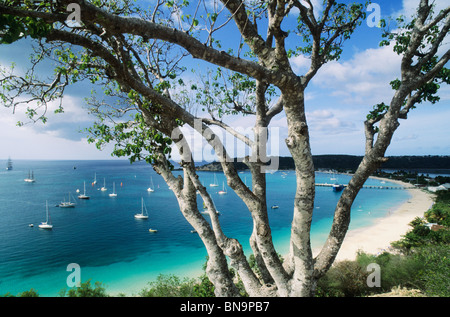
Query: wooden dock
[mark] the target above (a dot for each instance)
(368, 186)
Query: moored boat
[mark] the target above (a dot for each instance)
(337, 187)
(30, 178)
(83, 196)
(9, 166)
(144, 213)
(67, 204)
(46, 224)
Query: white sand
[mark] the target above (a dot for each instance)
(378, 237)
(372, 239)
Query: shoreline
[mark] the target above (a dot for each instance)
(377, 237)
(371, 239)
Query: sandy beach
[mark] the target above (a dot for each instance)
(371, 239)
(376, 238)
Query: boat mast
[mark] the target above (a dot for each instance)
(46, 208)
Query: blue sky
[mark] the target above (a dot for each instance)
(337, 101)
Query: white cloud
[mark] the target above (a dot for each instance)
(364, 79)
(427, 128)
(65, 125)
(27, 143)
(321, 114)
(59, 138)
(300, 64)
(332, 121)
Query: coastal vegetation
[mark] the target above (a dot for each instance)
(139, 56)
(349, 163)
(420, 260)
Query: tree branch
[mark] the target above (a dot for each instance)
(229, 129)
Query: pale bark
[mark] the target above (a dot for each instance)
(300, 256)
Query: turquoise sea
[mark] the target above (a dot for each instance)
(102, 236)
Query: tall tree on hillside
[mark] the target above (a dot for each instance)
(137, 54)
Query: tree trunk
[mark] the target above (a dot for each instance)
(300, 259)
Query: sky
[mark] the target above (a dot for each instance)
(337, 101)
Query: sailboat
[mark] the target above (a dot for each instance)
(215, 182)
(67, 204)
(95, 179)
(47, 224)
(30, 178)
(151, 189)
(144, 213)
(113, 194)
(83, 196)
(223, 191)
(104, 186)
(9, 165)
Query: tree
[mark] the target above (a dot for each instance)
(135, 56)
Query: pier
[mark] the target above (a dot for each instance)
(368, 186)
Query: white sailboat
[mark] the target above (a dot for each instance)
(215, 182)
(95, 179)
(83, 196)
(223, 191)
(104, 186)
(67, 204)
(30, 178)
(144, 213)
(114, 191)
(47, 224)
(151, 189)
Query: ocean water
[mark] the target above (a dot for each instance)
(102, 236)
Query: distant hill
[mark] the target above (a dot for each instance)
(350, 162)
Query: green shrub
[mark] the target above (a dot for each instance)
(173, 286)
(435, 274)
(346, 278)
(395, 270)
(85, 290)
(169, 286)
(205, 288)
(421, 235)
(439, 213)
(30, 293)
(426, 269)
